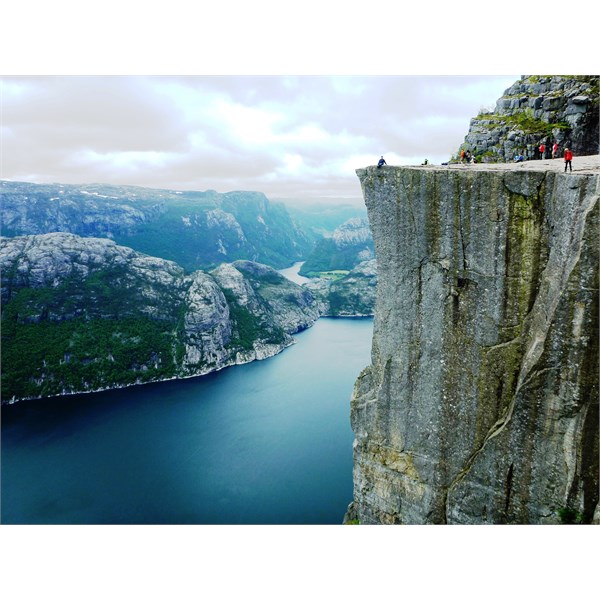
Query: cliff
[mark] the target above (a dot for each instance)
(539, 109)
(481, 402)
(82, 314)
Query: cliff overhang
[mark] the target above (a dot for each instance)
(481, 402)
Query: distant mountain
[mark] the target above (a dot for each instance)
(195, 229)
(352, 295)
(83, 314)
(350, 244)
(320, 219)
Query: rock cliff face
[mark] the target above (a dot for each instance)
(481, 402)
(82, 314)
(539, 109)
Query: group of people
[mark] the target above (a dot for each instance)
(568, 155)
(542, 150)
(469, 158)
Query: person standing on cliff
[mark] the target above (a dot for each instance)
(381, 163)
(542, 150)
(568, 159)
(554, 149)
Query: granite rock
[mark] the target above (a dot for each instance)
(481, 402)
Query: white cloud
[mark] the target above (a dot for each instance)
(286, 136)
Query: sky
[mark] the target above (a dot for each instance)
(291, 137)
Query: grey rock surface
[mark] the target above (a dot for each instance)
(481, 402)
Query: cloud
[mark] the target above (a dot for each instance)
(290, 137)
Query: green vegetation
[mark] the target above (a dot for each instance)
(110, 292)
(85, 334)
(328, 257)
(488, 156)
(248, 328)
(50, 358)
(345, 302)
(523, 121)
(569, 516)
(332, 275)
(353, 522)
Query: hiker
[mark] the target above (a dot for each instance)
(568, 159)
(462, 156)
(542, 150)
(468, 156)
(425, 162)
(554, 149)
(381, 163)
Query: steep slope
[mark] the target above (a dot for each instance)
(481, 402)
(194, 229)
(81, 314)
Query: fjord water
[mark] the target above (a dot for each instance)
(264, 443)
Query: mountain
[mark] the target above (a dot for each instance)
(352, 295)
(198, 230)
(83, 314)
(539, 109)
(350, 244)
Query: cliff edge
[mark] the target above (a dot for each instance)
(481, 402)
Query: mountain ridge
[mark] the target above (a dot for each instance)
(85, 314)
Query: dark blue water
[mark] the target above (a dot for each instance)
(268, 442)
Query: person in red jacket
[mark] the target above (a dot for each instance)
(568, 159)
(554, 149)
(542, 150)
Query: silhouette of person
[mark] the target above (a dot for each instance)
(381, 163)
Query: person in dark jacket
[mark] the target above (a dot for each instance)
(381, 163)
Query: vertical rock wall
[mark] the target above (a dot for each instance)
(481, 402)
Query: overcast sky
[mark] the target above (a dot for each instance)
(290, 137)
